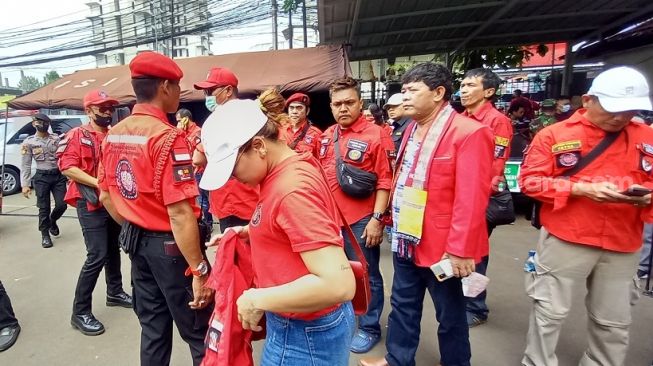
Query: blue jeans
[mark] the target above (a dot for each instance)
(369, 322)
(408, 289)
(476, 305)
(323, 341)
(203, 202)
(646, 248)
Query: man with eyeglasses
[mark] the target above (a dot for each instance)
(42, 147)
(79, 156)
(235, 202)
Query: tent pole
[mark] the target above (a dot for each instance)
(4, 153)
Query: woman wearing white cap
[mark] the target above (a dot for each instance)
(304, 278)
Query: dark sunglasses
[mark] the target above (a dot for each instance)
(106, 108)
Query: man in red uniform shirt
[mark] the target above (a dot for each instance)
(147, 185)
(476, 93)
(78, 159)
(300, 134)
(440, 192)
(529, 106)
(360, 145)
(591, 230)
(234, 203)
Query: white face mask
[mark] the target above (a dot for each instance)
(211, 103)
(566, 108)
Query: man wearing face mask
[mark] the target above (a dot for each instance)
(563, 108)
(234, 203)
(147, 185)
(79, 157)
(42, 147)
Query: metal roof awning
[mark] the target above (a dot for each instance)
(391, 28)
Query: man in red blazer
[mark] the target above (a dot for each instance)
(440, 192)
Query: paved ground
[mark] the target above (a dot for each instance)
(41, 283)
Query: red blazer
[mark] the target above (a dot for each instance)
(458, 192)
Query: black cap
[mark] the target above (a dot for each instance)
(42, 117)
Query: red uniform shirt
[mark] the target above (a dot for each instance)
(309, 143)
(296, 213)
(80, 148)
(193, 136)
(146, 166)
(233, 199)
(629, 160)
(362, 146)
(502, 129)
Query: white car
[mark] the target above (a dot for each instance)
(17, 129)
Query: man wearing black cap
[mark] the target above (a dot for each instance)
(42, 147)
(147, 184)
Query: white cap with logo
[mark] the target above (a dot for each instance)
(228, 128)
(621, 89)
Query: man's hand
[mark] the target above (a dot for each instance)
(248, 314)
(608, 192)
(243, 233)
(26, 191)
(462, 267)
(202, 295)
(373, 233)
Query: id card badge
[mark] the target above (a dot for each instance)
(411, 211)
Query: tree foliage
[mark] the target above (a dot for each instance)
(290, 5)
(29, 83)
(504, 57)
(50, 77)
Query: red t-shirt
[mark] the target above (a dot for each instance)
(80, 148)
(309, 143)
(365, 146)
(233, 199)
(295, 214)
(144, 169)
(193, 136)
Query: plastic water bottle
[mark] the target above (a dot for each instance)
(529, 265)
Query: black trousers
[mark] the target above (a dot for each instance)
(231, 221)
(7, 316)
(102, 251)
(46, 182)
(161, 295)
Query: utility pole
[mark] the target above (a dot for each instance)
(275, 31)
(172, 29)
(304, 23)
(290, 31)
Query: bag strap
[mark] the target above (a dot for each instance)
(348, 231)
(610, 137)
(301, 136)
(336, 145)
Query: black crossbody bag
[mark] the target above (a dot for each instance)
(355, 182)
(584, 161)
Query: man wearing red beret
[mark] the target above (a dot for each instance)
(235, 202)
(300, 134)
(147, 185)
(78, 158)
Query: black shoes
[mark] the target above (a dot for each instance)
(54, 229)
(121, 299)
(46, 241)
(87, 324)
(8, 336)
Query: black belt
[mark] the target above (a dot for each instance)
(156, 234)
(48, 171)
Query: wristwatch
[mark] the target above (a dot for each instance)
(377, 215)
(201, 270)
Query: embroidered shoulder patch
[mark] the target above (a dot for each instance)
(648, 149)
(501, 141)
(182, 173)
(125, 180)
(566, 146)
(180, 155)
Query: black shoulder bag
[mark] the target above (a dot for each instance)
(584, 161)
(355, 182)
(500, 210)
(300, 137)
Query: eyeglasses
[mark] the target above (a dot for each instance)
(106, 108)
(211, 91)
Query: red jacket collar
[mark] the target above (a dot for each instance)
(481, 112)
(358, 125)
(150, 110)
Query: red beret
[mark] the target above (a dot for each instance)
(217, 77)
(98, 97)
(154, 65)
(300, 98)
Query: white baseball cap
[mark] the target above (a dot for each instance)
(228, 128)
(621, 89)
(395, 100)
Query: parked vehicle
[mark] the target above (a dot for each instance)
(17, 130)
